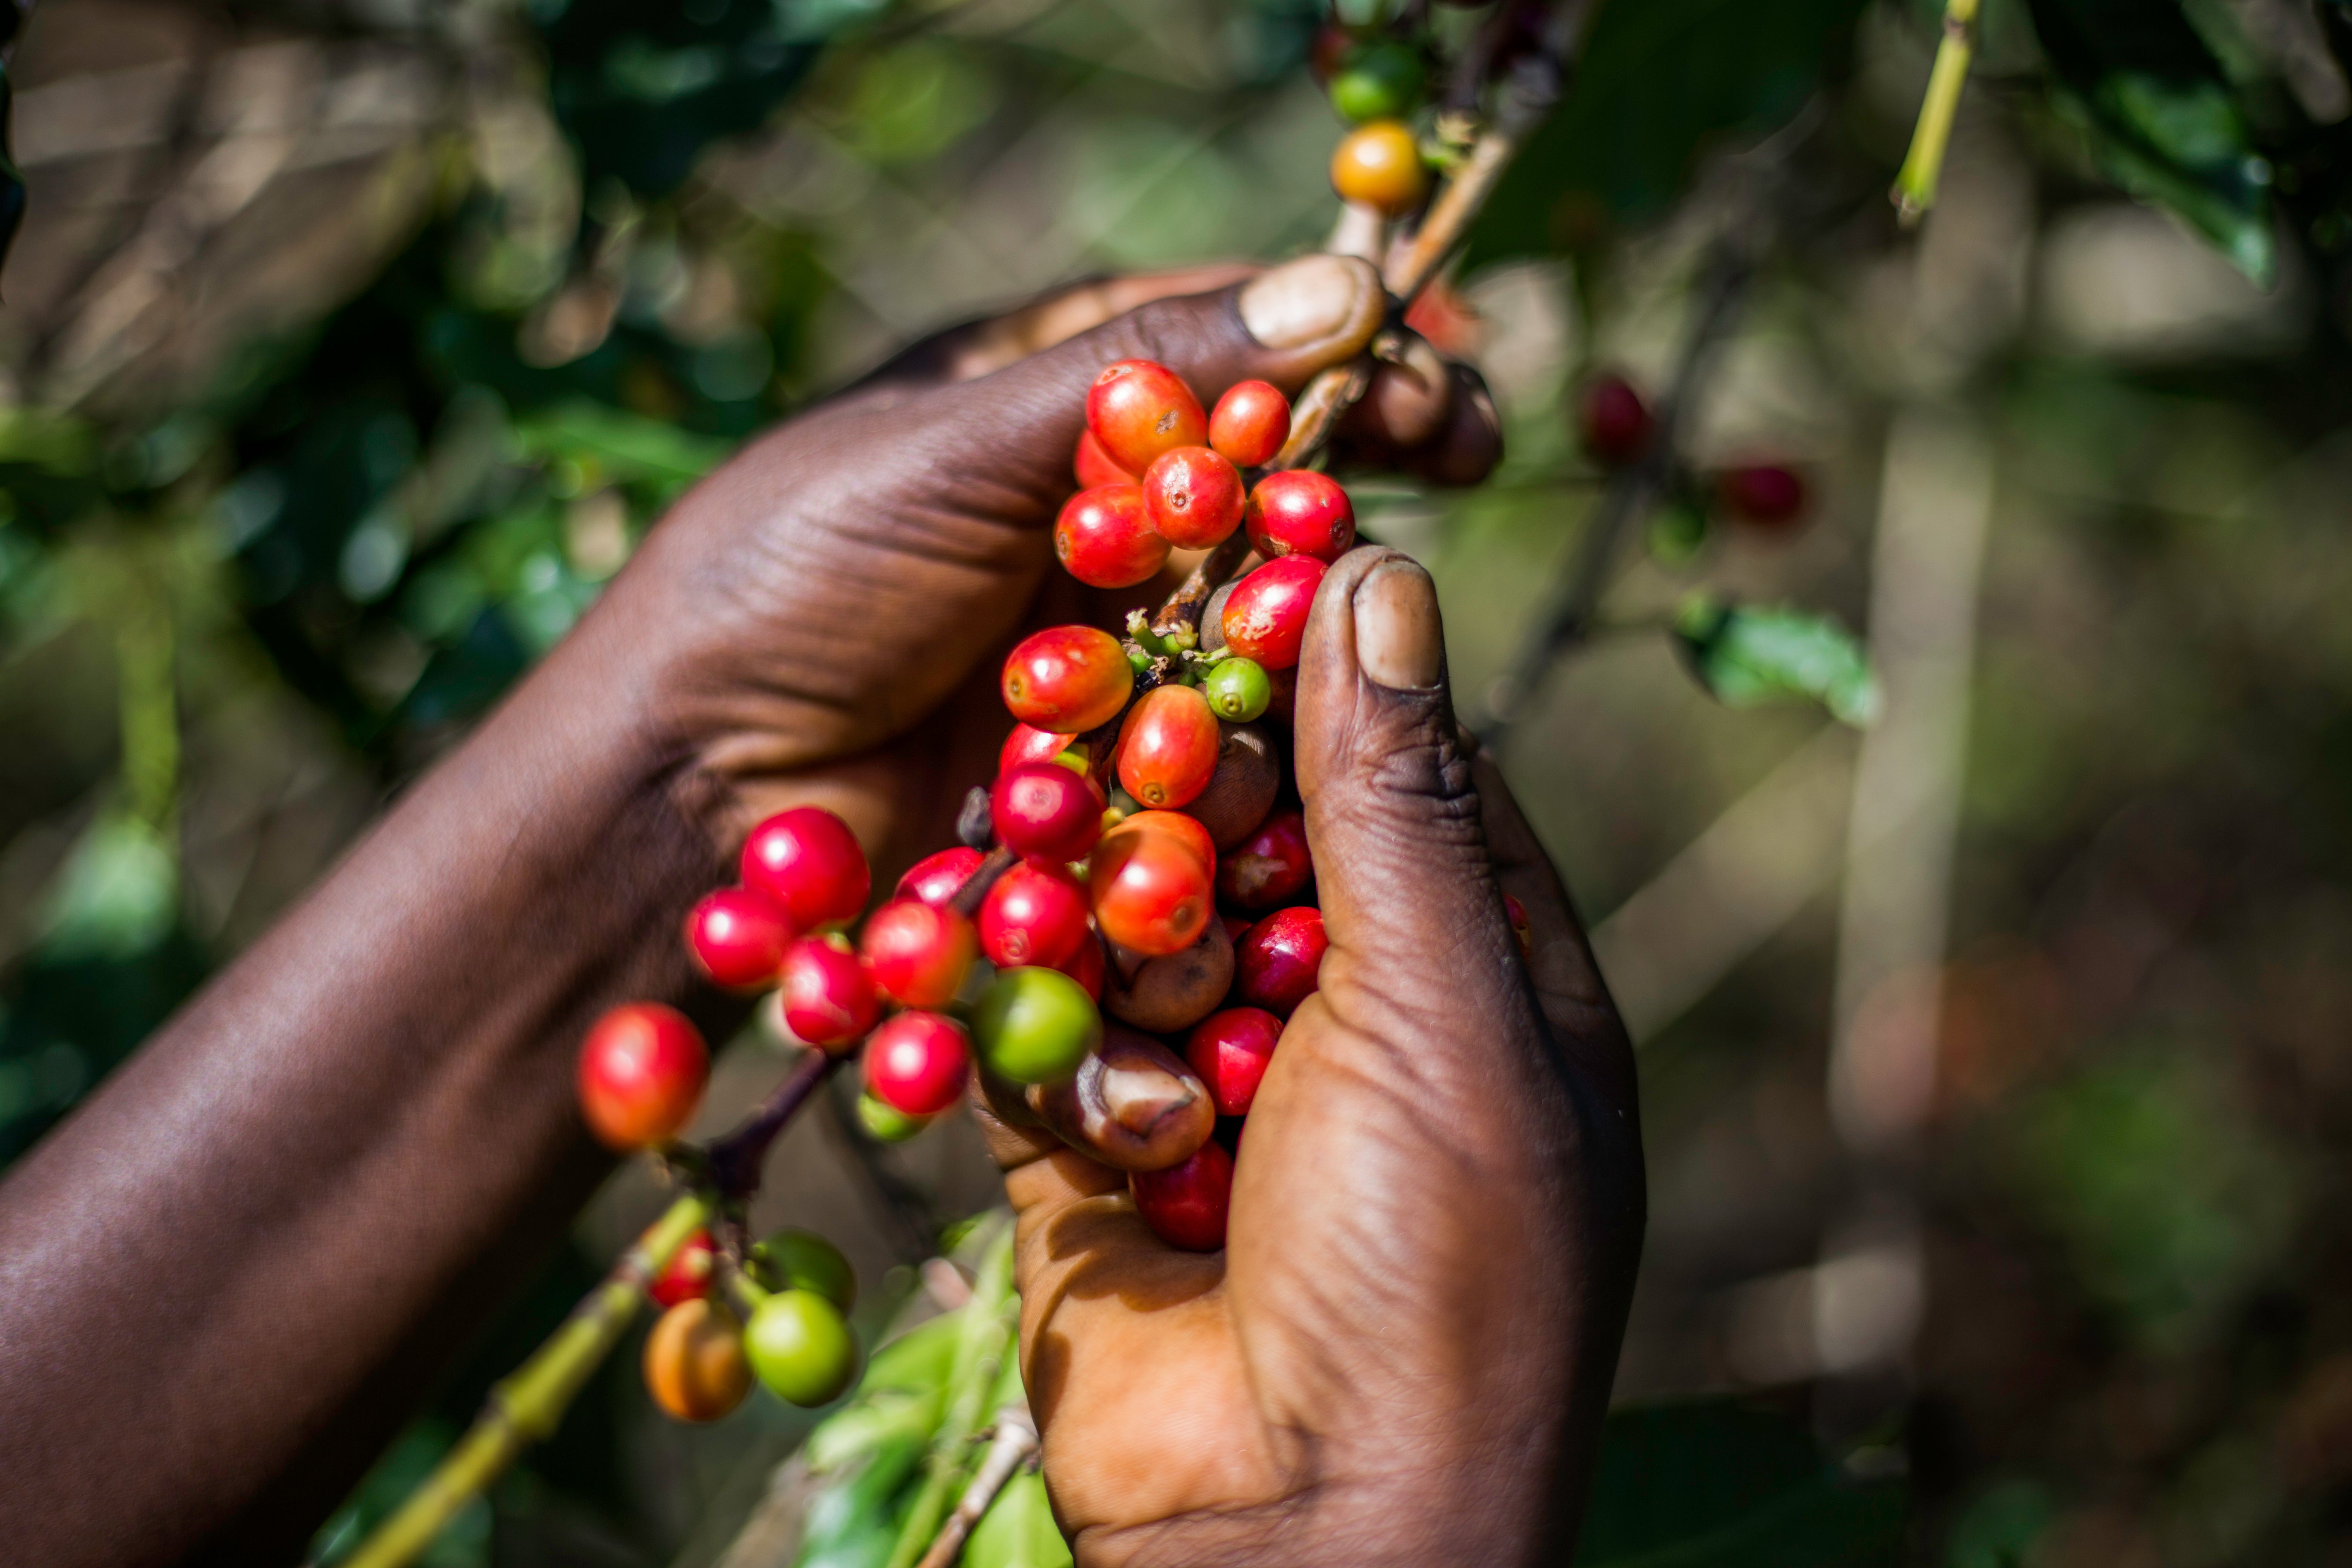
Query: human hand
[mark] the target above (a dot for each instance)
(1404, 1353)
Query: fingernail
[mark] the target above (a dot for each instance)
(1306, 301)
(1140, 1098)
(1399, 640)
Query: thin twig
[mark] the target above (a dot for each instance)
(1923, 168)
(1014, 1440)
(736, 1159)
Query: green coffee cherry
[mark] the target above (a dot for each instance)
(800, 1346)
(886, 1124)
(1238, 690)
(804, 1260)
(1381, 81)
(1035, 1025)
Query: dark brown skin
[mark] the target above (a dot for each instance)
(224, 1281)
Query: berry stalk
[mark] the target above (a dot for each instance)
(1923, 167)
(1012, 1445)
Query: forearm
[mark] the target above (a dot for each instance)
(226, 1278)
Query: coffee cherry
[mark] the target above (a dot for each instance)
(1380, 81)
(1615, 421)
(1270, 868)
(795, 1259)
(829, 998)
(738, 938)
(1168, 748)
(1250, 423)
(1150, 890)
(1266, 618)
(1092, 466)
(936, 880)
(1230, 1050)
(1185, 828)
(1762, 495)
(1238, 690)
(1248, 777)
(1045, 811)
(1186, 1205)
(687, 1276)
(1517, 912)
(1328, 52)
(801, 1347)
(918, 954)
(1087, 967)
(1104, 537)
(1168, 995)
(1300, 512)
(808, 861)
(1035, 1026)
(1028, 744)
(1194, 496)
(1067, 680)
(1379, 166)
(642, 1071)
(1033, 914)
(1137, 410)
(885, 1125)
(917, 1063)
(1276, 966)
(693, 1364)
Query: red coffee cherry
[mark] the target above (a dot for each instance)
(1266, 614)
(1168, 748)
(1086, 967)
(916, 1063)
(1137, 410)
(1270, 868)
(1188, 830)
(1104, 537)
(1276, 966)
(1092, 466)
(1067, 680)
(1762, 495)
(738, 938)
(917, 953)
(936, 880)
(1034, 915)
(1042, 811)
(642, 1071)
(1186, 1205)
(1028, 743)
(694, 1367)
(1250, 423)
(1615, 421)
(1517, 912)
(1229, 1050)
(1194, 497)
(687, 1275)
(829, 998)
(808, 861)
(1150, 890)
(1300, 512)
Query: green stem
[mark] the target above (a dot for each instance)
(1915, 186)
(526, 1407)
(979, 1359)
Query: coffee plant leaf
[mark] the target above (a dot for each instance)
(1018, 1530)
(1747, 657)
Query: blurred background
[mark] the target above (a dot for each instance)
(1997, 1057)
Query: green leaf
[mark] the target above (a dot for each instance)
(1719, 1484)
(1018, 1530)
(610, 446)
(1750, 656)
(118, 895)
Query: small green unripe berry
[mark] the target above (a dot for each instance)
(801, 1348)
(1381, 81)
(804, 1260)
(886, 1124)
(1238, 690)
(1035, 1025)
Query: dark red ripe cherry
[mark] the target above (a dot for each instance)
(1301, 512)
(1043, 810)
(1266, 614)
(1104, 537)
(1139, 409)
(916, 1063)
(1270, 868)
(1276, 965)
(738, 938)
(808, 861)
(1763, 495)
(1028, 743)
(687, 1277)
(1067, 680)
(1616, 422)
(1150, 890)
(1168, 748)
(1034, 915)
(1250, 423)
(1092, 466)
(1086, 966)
(936, 880)
(1194, 497)
(1186, 1205)
(829, 998)
(1229, 1050)
(917, 953)
(642, 1071)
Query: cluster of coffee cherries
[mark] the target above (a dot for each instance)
(1617, 429)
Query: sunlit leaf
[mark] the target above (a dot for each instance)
(117, 896)
(1748, 657)
(1018, 1530)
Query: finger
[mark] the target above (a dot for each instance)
(1449, 435)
